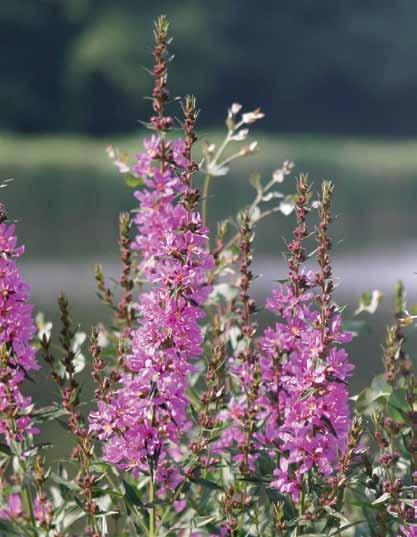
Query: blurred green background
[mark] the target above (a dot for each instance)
(337, 81)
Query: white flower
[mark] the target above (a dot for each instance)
(278, 176)
(122, 166)
(120, 160)
(286, 207)
(240, 135)
(248, 149)
(235, 108)
(251, 117)
(272, 195)
(76, 346)
(103, 339)
(44, 327)
(111, 153)
(216, 171)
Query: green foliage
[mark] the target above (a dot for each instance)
(74, 65)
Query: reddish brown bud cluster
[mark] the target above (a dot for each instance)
(338, 483)
(160, 93)
(125, 311)
(233, 502)
(11, 411)
(69, 389)
(248, 330)
(3, 213)
(104, 292)
(211, 397)
(324, 275)
(248, 306)
(104, 384)
(191, 195)
(295, 248)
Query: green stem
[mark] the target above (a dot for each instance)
(185, 479)
(258, 530)
(300, 529)
(152, 514)
(27, 500)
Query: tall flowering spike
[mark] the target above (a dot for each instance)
(126, 279)
(295, 248)
(17, 356)
(160, 93)
(398, 365)
(304, 370)
(244, 365)
(324, 275)
(142, 423)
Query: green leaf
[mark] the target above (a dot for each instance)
(38, 447)
(380, 386)
(206, 483)
(295, 533)
(373, 398)
(336, 514)
(70, 485)
(397, 405)
(48, 413)
(9, 529)
(132, 181)
(382, 499)
(255, 181)
(133, 498)
(194, 399)
(4, 448)
(100, 467)
(338, 531)
(204, 520)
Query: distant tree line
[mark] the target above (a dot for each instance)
(313, 65)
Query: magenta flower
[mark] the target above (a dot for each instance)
(410, 530)
(14, 509)
(17, 356)
(304, 397)
(148, 414)
(42, 511)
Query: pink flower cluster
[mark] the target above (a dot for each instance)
(147, 416)
(14, 509)
(304, 398)
(17, 356)
(410, 530)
